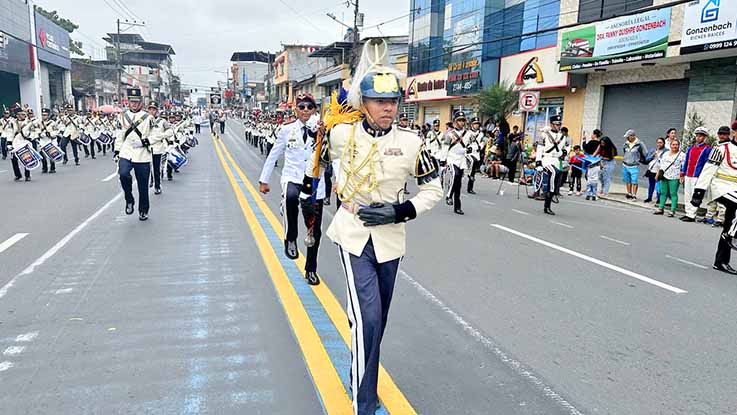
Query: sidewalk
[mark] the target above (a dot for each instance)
(617, 193)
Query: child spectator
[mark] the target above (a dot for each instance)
(576, 170)
(592, 180)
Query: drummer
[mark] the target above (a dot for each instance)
(20, 139)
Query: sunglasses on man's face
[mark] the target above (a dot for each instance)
(308, 107)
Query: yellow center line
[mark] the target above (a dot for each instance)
(332, 393)
(391, 396)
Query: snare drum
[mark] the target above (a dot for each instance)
(28, 157)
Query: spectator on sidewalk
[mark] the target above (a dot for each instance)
(575, 170)
(692, 169)
(564, 166)
(607, 151)
(670, 135)
(669, 177)
(653, 165)
(592, 180)
(592, 144)
(514, 155)
(633, 153)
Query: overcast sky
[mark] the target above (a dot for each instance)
(205, 33)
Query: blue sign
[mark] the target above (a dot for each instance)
(710, 12)
(52, 42)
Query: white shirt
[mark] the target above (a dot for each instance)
(296, 151)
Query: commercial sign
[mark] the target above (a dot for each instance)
(709, 25)
(15, 56)
(533, 70)
(635, 38)
(52, 42)
(529, 101)
(464, 77)
(427, 87)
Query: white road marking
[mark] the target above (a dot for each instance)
(5, 366)
(54, 249)
(605, 206)
(614, 240)
(111, 177)
(686, 262)
(3, 171)
(11, 241)
(510, 361)
(27, 337)
(594, 261)
(64, 291)
(520, 212)
(14, 350)
(486, 202)
(561, 224)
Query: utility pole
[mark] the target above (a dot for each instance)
(118, 57)
(356, 38)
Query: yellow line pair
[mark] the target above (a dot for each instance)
(326, 379)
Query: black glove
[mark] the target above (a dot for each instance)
(698, 197)
(145, 142)
(116, 156)
(378, 214)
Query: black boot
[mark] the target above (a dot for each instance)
(290, 249)
(725, 268)
(142, 216)
(129, 207)
(312, 278)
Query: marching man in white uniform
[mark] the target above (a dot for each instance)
(160, 133)
(48, 134)
(296, 142)
(551, 149)
(433, 140)
(21, 138)
(369, 228)
(718, 180)
(133, 153)
(458, 139)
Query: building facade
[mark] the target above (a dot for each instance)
(251, 71)
(652, 68)
(17, 56)
(55, 62)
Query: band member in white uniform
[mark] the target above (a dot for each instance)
(433, 140)
(296, 142)
(133, 153)
(21, 138)
(49, 133)
(162, 132)
(551, 149)
(375, 160)
(458, 140)
(474, 149)
(718, 182)
(70, 134)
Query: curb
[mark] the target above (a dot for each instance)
(680, 208)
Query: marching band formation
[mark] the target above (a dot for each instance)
(148, 143)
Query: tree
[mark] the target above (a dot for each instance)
(693, 121)
(499, 101)
(66, 24)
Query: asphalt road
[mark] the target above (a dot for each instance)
(602, 309)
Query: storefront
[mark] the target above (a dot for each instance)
(429, 92)
(16, 55)
(537, 70)
(54, 62)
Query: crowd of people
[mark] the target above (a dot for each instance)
(150, 144)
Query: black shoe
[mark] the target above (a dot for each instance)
(648, 200)
(142, 216)
(588, 197)
(129, 207)
(86, 156)
(76, 163)
(157, 191)
(449, 201)
(290, 249)
(65, 162)
(44, 171)
(94, 158)
(687, 219)
(312, 278)
(458, 212)
(28, 179)
(471, 192)
(52, 171)
(326, 202)
(628, 196)
(725, 268)
(549, 211)
(169, 179)
(17, 178)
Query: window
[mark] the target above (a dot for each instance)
(591, 10)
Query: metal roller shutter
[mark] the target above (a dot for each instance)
(649, 108)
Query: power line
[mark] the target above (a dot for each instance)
(294, 10)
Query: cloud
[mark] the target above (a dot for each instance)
(205, 33)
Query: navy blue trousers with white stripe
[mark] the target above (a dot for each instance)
(370, 290)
